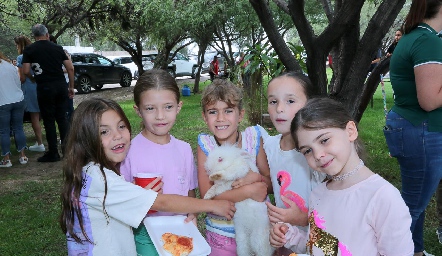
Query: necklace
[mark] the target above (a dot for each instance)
(236, 142)
(348, 174)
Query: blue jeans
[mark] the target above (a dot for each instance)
(11, 116)
(418, 152)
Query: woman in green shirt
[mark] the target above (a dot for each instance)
(414, 125)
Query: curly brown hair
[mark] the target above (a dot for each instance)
(222, 90)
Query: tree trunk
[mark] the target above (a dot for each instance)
(136, 53)
(162, 60)
(371, 85)
(254, 111)
(201, 52)
(352, 52)
(262, 9)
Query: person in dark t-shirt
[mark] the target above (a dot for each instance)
(397, 36)
(46, 60)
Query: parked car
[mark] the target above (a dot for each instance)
(93, 70)
(148, 59)
(180, 65)
(127, 62)
(184, 65)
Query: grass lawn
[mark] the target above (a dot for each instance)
(29, 209)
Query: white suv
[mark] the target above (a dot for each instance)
(127, 62)
(180, 65)
(184, 65)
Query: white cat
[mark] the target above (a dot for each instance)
(224, 165)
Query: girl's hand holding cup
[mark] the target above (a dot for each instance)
(156, 185)
(150, 181)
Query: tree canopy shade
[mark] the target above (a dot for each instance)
(171, 24)
(18, 16)
(351, 48)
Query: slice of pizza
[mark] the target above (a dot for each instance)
(177, 245)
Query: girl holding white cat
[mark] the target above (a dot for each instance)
(222, 112)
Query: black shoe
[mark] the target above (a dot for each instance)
(49, 157)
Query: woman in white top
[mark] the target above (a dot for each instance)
(12, 108)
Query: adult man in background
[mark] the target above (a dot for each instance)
(46, 60)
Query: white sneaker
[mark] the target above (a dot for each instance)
(23, 160)
(38, 148)
(427, 254)
(5, 163)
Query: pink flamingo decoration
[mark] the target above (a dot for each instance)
(284, 180)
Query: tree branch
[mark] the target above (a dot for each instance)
(283, 5)
(326, 5)
(346, 16)
(266, 18)
(305, 30)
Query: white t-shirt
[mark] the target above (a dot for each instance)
(290, 172)
(369, 218)
(303, 179)
(10, 89)
(126, 206)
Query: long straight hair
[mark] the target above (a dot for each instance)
(420, 10)
(21, 42)
(83, 146)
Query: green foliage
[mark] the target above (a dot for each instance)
(12, 24)
(260, 59)
(300, 55)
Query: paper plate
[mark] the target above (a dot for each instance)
(157, 226)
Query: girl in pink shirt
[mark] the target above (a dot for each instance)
(155, 150)
(355, 211)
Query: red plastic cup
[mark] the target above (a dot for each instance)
(143, 179)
